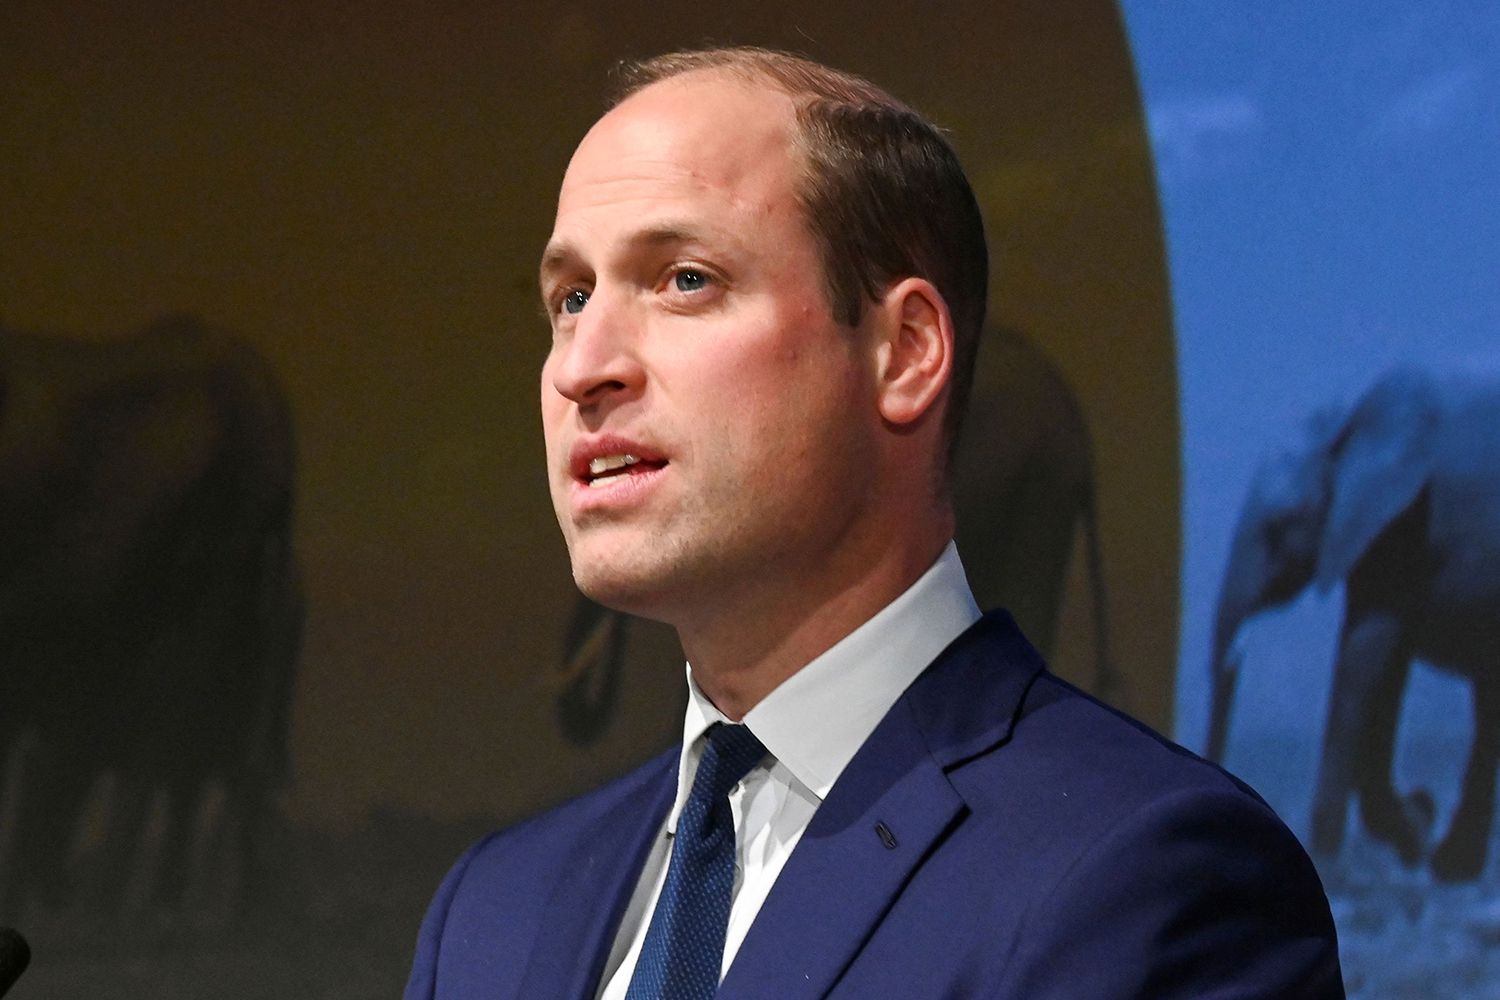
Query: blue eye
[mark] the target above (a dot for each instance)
(574, 301)
(689, 280)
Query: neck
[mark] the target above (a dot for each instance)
(749, 643)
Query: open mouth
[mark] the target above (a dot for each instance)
(607, 469)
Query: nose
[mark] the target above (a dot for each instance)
(598, 358)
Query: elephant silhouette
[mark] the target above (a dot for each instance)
(1400, 501)
(1023, 491)
(150, 604)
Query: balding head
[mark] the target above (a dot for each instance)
(883, 192)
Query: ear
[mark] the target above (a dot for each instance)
(914, 350)
(1380, 463)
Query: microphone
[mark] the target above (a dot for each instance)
(14, 954)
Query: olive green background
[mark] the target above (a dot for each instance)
(362, 191)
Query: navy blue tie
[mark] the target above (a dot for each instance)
(684, 945)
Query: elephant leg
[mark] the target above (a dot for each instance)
(129, 814)
(11, 746)
(51, 793)
(16, 755)
(184, 800)
(1461, 855)
(1385, 815)
(1368, 679)
(252, 827)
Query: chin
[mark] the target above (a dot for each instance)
(629, 596)
(622, 584)
(648, 577)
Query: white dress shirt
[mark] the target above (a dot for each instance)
(811, 725)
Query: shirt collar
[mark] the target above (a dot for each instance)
(815, 721)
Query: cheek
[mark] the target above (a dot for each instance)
(554, 416)
(804, 422)
(547, 390)
(552, 402)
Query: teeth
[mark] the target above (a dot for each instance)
(606, 480)
(608, 463)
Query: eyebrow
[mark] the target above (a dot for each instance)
(556, 257)
(562, 255)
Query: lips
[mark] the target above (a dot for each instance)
(611, 468)
(601, 462)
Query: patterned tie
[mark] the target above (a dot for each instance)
(684, 945)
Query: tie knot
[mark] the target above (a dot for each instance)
(728, 755)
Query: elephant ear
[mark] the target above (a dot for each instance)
(1379, 464)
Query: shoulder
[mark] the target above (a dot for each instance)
(1072, 737)
(1074, 773)
(528, 852)
(1011, 735)
(500, 886)
(1142, 854)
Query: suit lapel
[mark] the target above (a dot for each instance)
(892, 805)
(577, 928)
(841, 877)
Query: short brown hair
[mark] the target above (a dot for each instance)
(883, 192)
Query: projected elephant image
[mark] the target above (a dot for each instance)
(149, 604)
(1023, 492)
(1399, 499)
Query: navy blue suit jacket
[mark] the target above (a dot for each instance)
(1042, 846)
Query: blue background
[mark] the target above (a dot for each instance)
(1330, 184)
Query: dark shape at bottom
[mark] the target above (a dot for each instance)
(150, 605)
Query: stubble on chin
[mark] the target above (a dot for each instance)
(633, 575)
(662, 573)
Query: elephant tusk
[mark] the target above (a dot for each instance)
(588, 653)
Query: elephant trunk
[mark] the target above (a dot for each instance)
(1225, 675)
(1239, 598)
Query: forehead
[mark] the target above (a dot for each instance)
(704, 133)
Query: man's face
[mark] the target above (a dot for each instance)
(692, 339)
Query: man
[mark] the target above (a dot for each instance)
(766, 282)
